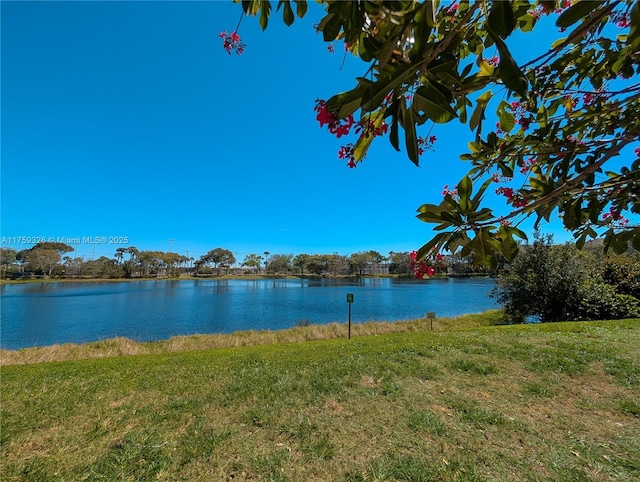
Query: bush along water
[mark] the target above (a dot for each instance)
(548, 282)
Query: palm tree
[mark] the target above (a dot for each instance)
(120, 254)
(266, 259)
(133, 254)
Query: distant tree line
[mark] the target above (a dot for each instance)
(55, 260)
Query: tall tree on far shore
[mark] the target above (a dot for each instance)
(221, 258)
(252, 261)
(301, 261)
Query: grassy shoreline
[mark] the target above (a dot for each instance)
(124, 346)
(491, 403)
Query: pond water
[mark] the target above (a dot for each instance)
(39, 314)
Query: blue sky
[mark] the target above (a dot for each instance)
(128, 119)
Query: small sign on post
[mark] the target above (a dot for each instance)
(350, 301)
(431, 315)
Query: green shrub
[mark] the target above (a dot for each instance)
(600, 301)
(543, 281)
(623, 272)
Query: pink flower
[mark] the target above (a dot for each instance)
(494, 61)
(623, 23)
(231, 41)
(330, 48)
(324, 116)
(347, 152)
(450, 192)
(525, 122)
(506, 192)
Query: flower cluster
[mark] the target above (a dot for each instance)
(451, 192)
(420, 268)
(338, 127)
(231, 41)
(493, 61)
(636, 151)
(614, 217)
(426, 144)
(520, 112)
(497, 177)
(514, 198)
(527, 165)
(536, 12)
(544, 9)
(347, 153)
(342, 127)
(368, 127)
(621, 19)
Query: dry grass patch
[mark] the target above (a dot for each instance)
(115, 347)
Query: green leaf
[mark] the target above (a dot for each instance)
(265, 11)
(346, 103)
(251, 7)
(478, 113)
(461, 108)
(501, 19)
(575, 12)
(541, 117)
(434, 106)
(475, 202)
(393, 133)
(301, 8)
(465, 188)
(452, 218)
(484, 247)
(421, 30)
(483, 215)
(330, 27)
(621, 242)
(526, 23)
(431, 13)
(509, 71)
(374, 93)
(507, 119)
(429, 217)
(425, 208)
(486, 69)
(411, 140)
(427, 247)
(509, 245)
(364, 141)
(287, 14)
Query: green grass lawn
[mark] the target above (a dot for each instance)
(557, 402)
